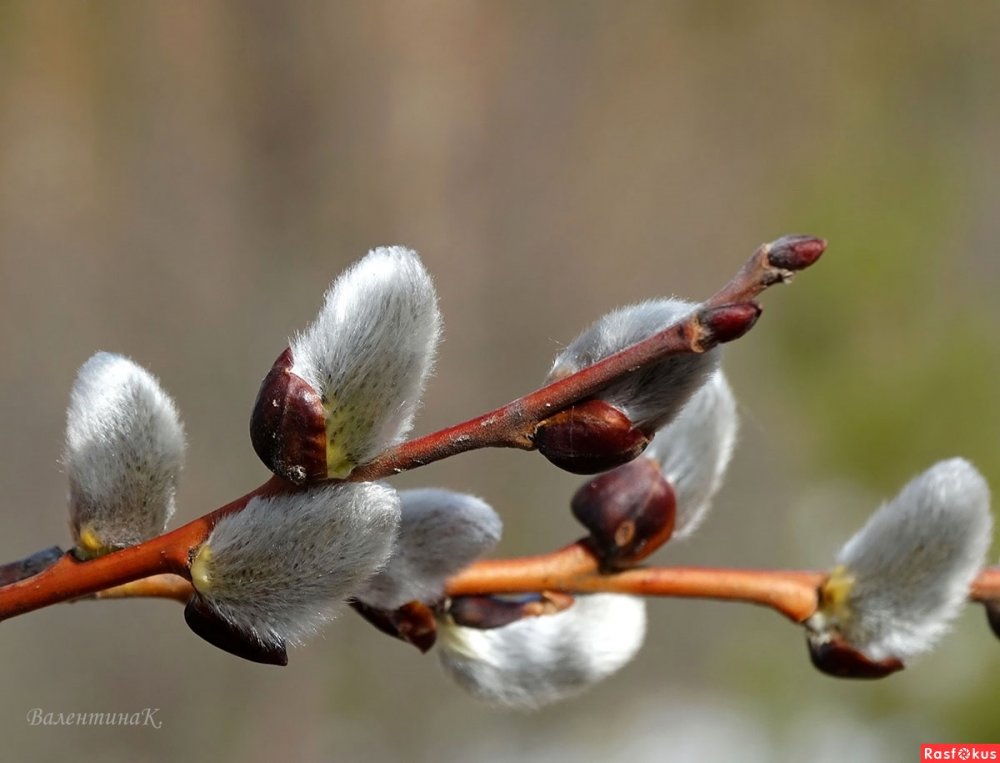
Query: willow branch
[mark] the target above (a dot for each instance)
(722, 318)
(574, 570)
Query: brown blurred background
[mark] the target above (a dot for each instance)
(179, 181)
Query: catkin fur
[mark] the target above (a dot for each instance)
(281, 568)
(370, 350)
(123, 453)
(653, 395)
(540, 660)
(913, 562)
(694, 450)
(440, 532)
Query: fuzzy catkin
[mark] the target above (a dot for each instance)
(907, 572)
(653, 395)
(440, 532)
(282, 567)
(693, 450)
(540, 660)
(124, 451)
(369, 351)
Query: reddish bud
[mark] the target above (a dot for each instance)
(413, 623)
(838, 659)
(728, 322)
(795, 252)
(288, 425)
(589, 437)
(487, 612)
(220, 633)
(629, 512)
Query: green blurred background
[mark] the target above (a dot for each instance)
(179, 181)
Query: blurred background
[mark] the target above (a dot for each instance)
(179, 182)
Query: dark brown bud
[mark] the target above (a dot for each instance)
(630, 512)
(413, 623)
(486, 612)
(795, 252)
(224, 635)
(288, 425)
(993, 616)
(836, 658)
(726, 323)
(589, 437)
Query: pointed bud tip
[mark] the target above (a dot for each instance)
(795, 252)
(589, 437)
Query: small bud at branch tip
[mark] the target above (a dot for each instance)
(795, 252)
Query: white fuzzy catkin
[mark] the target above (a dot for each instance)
(906, 574)
(694, 449)
(652, 396)
(369, 352)
(282, 567)
(440, 532)
(123, 453)
(540, 660)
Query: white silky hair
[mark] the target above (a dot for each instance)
(913, 562)
(694, 450)
(651, 396)
(281, 568)
(440, 532)
(539, 660)
(123, 453)
(371, 348)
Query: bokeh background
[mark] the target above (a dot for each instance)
(179, 181)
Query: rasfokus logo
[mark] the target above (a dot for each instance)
(960, 752)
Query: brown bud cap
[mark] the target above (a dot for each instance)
(726, 323)
(487, 612)
(413, 623)
(795, 252)
(629, 512)
(993, 616)
(288, 424)
(222, 634)
(589, 437)
(29, 566)
(837, 658)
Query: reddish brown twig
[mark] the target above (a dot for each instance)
(575, 569)
(722, 318)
